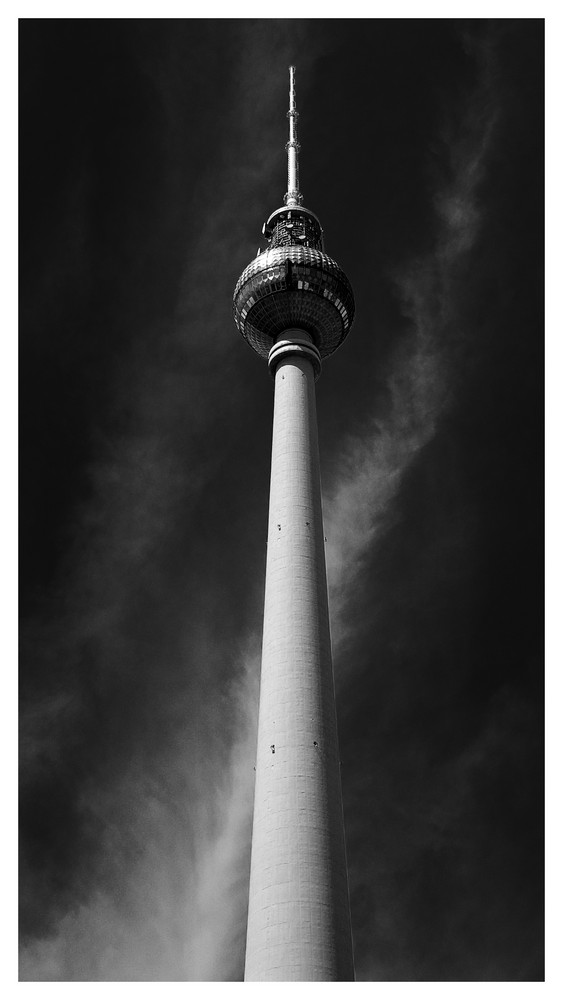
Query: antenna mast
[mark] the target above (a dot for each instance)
(293, 198)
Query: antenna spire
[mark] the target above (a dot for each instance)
(293, 198)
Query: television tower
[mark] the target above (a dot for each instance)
(294, 306)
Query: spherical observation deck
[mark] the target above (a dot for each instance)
(293, 285)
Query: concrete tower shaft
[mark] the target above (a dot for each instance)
(298, 920)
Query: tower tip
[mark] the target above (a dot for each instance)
(293, 196)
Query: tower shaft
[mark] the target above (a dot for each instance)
(299, 918)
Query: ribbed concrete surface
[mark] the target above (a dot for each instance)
(298, 921)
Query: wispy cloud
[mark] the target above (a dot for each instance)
(422, 370)
(160, 793)
(170, 894)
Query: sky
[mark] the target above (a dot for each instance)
(151, 152)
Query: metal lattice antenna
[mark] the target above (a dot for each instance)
(293, 197)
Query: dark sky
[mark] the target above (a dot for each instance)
(151, 153)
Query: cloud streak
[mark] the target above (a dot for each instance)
(167, 789)
(423, 367)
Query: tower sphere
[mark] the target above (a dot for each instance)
(293, 284)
